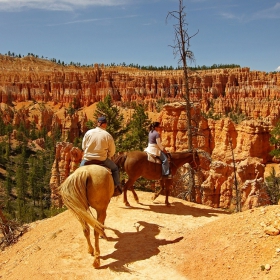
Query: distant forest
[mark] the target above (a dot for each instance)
(131, 65)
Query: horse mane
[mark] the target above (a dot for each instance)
(119, 159)
(203, 153)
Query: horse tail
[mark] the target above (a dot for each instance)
(120, 160)
(74, 195)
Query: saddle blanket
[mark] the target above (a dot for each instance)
(97, 162)
(153, 158)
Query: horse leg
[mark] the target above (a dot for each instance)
(159, 191)
(166, 196)
(96, 260)
(101, 216)
(167, 190)
(86, 230)
(134, 194)
(129, 185)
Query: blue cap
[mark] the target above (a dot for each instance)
(102, 119)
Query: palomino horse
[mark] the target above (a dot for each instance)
(136, 164)
(90, 185)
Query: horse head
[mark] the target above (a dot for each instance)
(201, 159)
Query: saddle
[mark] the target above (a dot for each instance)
(97, 162)
(153, 158)
(94, 161)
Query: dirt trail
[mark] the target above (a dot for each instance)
(150, 241)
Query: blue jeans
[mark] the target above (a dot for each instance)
(111, 165)
(165, 163)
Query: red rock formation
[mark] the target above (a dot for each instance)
(244, 145)
(67, 160)
(254, 94)
(217, 93)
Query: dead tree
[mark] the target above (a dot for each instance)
(181, 48)
(237, 190)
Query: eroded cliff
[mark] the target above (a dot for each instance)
(46, 89)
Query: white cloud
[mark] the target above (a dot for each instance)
(56, 5)
(270, 13)
(90, 20)
(229, 16)
(278, 68)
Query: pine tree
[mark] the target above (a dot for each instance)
(275, 140)
(8, 181)
(138, 130)
(115, 120)
(21, 182)
(2, 126)
(273, 186)
(9, 130)
(33, 134)
(33, 179)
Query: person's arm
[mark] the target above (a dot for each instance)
(160, 145)
(111, 148)
(84, 142)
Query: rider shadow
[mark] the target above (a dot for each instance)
(135, 246)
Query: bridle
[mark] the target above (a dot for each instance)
(193, 162)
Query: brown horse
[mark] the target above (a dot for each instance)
(136, 164)
(90, 185)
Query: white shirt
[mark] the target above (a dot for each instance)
(98, 144)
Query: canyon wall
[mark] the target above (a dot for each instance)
(46, 89)
(255, 94)
(239, 154)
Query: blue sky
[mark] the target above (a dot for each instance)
(244, 32)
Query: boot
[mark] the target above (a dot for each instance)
(117, 191)
(167, 176)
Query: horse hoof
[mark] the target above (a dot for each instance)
(96, 263)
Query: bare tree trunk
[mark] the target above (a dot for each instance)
(237, 191)
(182, 48)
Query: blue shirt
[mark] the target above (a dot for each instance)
(153, 137)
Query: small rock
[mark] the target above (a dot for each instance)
(267, 267)
(276, 224)
(270, 230)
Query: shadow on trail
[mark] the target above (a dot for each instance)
(178, 208)
(135, 246)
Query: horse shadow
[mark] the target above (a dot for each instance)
(179, 208)
(135, 246)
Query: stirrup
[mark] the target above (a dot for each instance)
(117, 191)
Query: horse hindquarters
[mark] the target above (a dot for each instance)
(73, 192)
